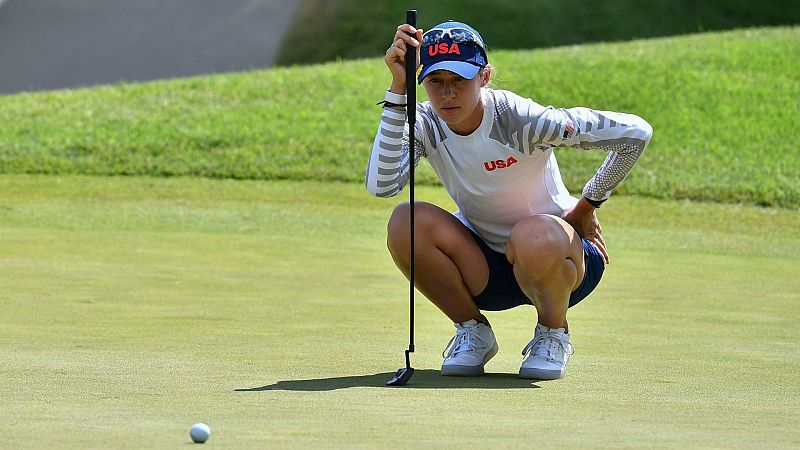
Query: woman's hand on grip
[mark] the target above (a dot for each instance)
(396, 55)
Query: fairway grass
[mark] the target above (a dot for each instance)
(132, 308)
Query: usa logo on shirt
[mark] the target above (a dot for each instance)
(499, 164)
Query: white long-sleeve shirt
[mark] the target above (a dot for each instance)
(506, 169)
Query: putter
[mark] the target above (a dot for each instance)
(404, 374)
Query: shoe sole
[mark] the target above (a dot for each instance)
(453, 370)
(542, 374)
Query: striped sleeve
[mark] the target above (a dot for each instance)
(388, 170)
(624, 136)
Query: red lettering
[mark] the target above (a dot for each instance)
(443, 48)
(499, 164)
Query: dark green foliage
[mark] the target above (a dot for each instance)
(328, 29)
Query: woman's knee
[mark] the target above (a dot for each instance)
(397, 229)
(542, 238)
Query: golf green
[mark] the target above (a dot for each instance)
(132, 308)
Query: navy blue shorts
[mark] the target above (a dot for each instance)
(503, 292)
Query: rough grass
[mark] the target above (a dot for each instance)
(723, 106)
(134, 307)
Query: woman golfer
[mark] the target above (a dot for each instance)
(518, 237)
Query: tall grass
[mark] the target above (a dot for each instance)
(723, 105)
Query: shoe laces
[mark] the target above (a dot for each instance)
(549, 346)
(465, 340)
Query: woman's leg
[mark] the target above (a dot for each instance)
(449, 267)
(547, 255)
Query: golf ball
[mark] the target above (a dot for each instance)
(200, 432)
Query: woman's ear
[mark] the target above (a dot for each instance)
(486, 75)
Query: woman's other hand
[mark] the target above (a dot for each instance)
(584, 220)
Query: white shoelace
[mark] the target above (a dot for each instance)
(462, 342)
(548, 345)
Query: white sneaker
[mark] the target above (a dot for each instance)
(548, 353)
(473, 345)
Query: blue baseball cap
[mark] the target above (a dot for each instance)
(452, 46)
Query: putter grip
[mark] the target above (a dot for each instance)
(411, 73)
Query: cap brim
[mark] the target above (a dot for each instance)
(463, 69)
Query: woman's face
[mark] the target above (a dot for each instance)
(456, 100)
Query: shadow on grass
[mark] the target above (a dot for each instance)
(422, 379)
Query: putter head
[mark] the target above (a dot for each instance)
(401, 377)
